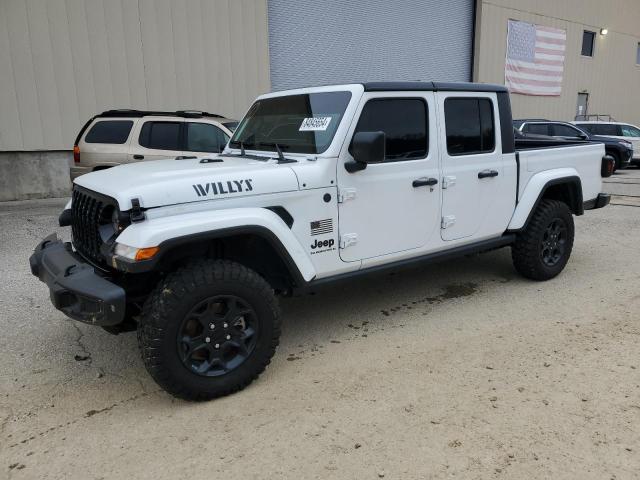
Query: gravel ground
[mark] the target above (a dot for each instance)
(462, 369)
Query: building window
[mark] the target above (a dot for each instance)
(588, 39)
(638, 55)
(469, 125)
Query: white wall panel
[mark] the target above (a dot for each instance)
(62, 61)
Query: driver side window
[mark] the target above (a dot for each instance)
(404, 122)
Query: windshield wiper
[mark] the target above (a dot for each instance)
(281, 157)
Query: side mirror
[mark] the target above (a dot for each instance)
(583, 136)
(366, 147)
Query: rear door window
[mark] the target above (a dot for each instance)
(560, 130)
(606, 129)
(469, 125)
(204, 137)
(109, 131)
(161, 135)
(537, 128)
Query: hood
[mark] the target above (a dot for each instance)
(608, 140)
(169, 182)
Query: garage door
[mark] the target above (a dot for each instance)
(338, 41)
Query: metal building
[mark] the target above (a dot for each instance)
(605, 82)
(62, 61)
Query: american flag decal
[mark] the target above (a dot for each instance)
(321, 227)
(535, 59)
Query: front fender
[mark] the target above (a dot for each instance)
(168, 231)
(533, 190)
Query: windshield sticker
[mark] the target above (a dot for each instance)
(314, 124)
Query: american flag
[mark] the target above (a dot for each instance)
(535, 59)
(321, 227)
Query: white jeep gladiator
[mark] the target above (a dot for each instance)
(316, 185)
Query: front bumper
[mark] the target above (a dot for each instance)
(74, 286)
(602, 200)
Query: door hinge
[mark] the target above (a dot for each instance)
(348, 239)
(448, 181)
(448, 221)
(345, 194)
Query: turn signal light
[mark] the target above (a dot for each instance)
(76, 154)
(146, 253)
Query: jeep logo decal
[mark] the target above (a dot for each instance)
(218, 188)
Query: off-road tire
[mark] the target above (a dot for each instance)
(165, 309)
(527, 251)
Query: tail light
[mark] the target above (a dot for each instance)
(76, 154)
(608, 164)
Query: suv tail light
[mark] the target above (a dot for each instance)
(76, 154)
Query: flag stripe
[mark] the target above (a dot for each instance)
(534, 71)
(534, 63)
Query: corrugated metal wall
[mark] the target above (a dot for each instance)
(61, 61)
(611, 76)
(337, 41)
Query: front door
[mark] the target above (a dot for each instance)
(392, 206)
(476, 195)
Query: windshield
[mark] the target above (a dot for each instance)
(295, 123)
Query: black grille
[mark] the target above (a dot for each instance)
(87, 214)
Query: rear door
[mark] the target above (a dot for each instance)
(156, 138)
(476, 194)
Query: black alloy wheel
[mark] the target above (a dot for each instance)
(553, 243)
(217, 335)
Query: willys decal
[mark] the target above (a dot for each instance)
(223, 188)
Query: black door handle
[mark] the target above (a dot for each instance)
(487, 173)
(138, 157)
(423, 182)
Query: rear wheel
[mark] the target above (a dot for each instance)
(209, 330)
(543, 248)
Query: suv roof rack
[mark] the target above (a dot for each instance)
(127, 112)
(595, 117)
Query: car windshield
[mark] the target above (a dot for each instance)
(303, 123)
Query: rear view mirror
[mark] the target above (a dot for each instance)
(366, 147)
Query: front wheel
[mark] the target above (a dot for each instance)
(209, 329)
(543, 248)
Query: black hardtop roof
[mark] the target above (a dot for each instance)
(433, 86)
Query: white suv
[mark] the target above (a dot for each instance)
(624, 131)
(115, 137)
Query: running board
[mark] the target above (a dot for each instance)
(461, 251)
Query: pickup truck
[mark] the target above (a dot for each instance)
(317, 185)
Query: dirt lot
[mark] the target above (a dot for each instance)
(461, 370)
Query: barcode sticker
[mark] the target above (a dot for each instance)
(314, 124)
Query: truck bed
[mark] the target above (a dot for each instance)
(579, 158)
